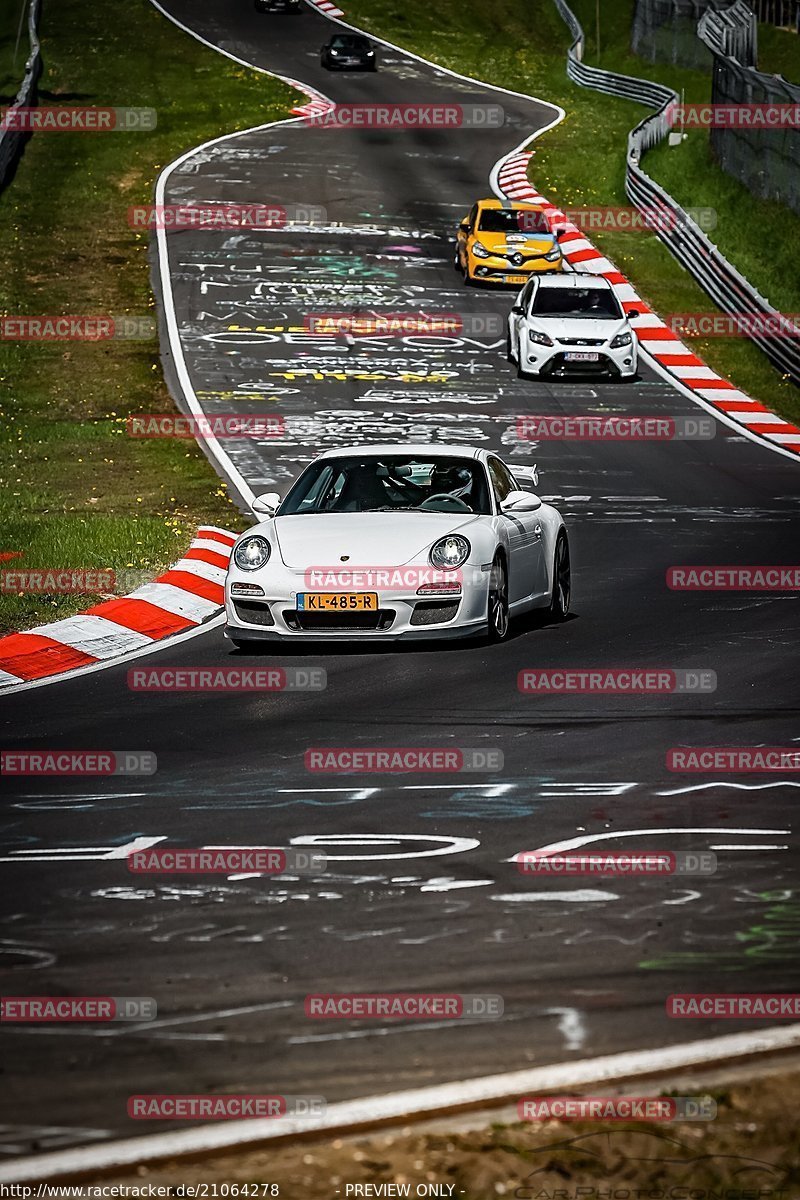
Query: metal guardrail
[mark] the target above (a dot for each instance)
(733, 31)
(11, 140)
(726, 286)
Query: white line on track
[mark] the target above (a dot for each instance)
(419, 1104)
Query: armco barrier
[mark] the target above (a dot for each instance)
(692, 248)
(10, 139)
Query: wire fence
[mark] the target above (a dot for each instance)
(665, 31)
(784, 13)
(691, 247)
(12, 140)
(765, 160)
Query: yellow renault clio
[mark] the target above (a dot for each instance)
(503, 242)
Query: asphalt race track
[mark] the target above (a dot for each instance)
(419, 894)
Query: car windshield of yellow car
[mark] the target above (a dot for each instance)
(510, 220)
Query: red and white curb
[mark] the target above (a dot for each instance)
(183, 598)
(326, 7)
(668, 354)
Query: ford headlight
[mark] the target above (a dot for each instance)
(480, 251)
(450, 552)
(553, 253)
(622, 339)
(541, 339)
(252, 553)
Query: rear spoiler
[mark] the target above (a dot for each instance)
(527, 476)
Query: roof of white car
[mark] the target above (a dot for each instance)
(574, 279)
(426, 450)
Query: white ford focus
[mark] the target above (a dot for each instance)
(383, 542)
(571, 324)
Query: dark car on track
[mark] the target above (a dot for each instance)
(287, 6)
(348, 51)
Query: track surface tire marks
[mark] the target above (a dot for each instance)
(230, 960)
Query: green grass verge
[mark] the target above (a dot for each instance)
(581, 161)
(76, 490)
(13, 55)
(779, 52)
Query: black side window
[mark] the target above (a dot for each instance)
(503, 481)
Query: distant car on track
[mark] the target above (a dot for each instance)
(347, 52)
(571, 324)
(287, 6)
(503, 242)
(384, 542)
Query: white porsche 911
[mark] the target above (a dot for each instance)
(383, 542)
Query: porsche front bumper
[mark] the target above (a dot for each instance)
(400, 614)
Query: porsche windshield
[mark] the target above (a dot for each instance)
(394, 483)
(512, 220)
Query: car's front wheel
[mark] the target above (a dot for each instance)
(562, 580)
(497, 619)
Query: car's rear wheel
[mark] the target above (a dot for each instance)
(562, 580)
(497, 619)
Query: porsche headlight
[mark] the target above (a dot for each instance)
(622, 339)
(252, 553)
(553, 253)
(480, 251)
(450, 552)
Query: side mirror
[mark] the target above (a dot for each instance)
(633, 314)
(266, 504)
(464, 225)
(517, 308)
(519, 502)
(560, 233)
